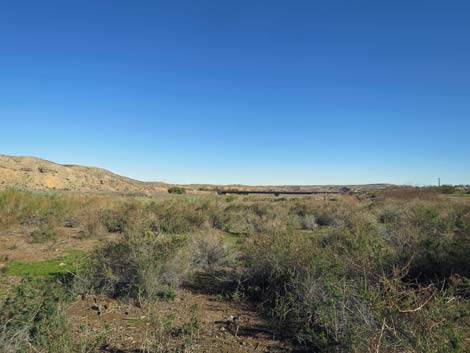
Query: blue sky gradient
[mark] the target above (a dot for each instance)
(245, 91)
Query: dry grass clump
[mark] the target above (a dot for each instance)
(163, 336)
(211, 251)
(143, 264)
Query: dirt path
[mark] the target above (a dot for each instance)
(222, 326)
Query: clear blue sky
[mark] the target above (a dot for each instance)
(242, 91)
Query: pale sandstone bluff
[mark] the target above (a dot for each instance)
(35, 173)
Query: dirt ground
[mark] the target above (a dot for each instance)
(223, 325)
(17, 244)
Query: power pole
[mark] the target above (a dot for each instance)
(439, 182)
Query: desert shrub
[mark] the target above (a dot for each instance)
(209, 251)
(177, 190)
(255, 217)
(178, 216)
(71, 221)
(116, 219)
(462, 221)
(31, 208)
(392, 214)
(44, 234)
(113, 221)
(36, 209)
(302, 215)
(163, 335)
(91, 226)
(230, 198)
(430, 237)
(143, 264)
(351, 290)
(33, 319)
(441, 256)
(308, 222)
(332, 215)
(281, 275)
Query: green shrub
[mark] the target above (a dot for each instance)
(33, 319)
(177, 190)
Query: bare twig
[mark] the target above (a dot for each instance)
(418, 308)
(380, 337)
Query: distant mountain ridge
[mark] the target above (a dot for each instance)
(40, 174)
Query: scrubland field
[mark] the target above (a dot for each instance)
(373, 272)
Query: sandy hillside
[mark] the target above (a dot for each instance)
(35, 173)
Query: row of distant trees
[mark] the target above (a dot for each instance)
(450, 189)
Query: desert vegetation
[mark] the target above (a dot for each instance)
(177, 190)
(385, 271)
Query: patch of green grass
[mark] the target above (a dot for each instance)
(234, 238)
(48, 268)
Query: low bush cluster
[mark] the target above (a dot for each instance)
(381, 279)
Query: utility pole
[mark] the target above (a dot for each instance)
(439, 182)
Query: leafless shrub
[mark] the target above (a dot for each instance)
(209, 250)
(143, 264)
